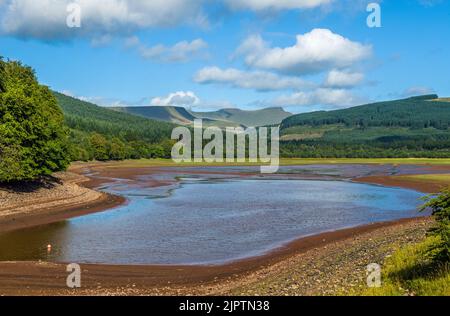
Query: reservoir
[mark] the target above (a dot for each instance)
(209, 221)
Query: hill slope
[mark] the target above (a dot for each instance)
(97, 132)
(416, 127)
(221, 118)
(416, 112)
(268, 116)
(174, 114)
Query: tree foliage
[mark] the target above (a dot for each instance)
(33, 137)
(413, 127)
(98, 133)
(415, 112)
(440, 207)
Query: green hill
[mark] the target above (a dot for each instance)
(416, 112)
(94, 126)
(417, 126)
(413, 127)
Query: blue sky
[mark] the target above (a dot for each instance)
(303, 55)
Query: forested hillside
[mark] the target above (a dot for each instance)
(416, 112)
(413, 127)
(102, 134)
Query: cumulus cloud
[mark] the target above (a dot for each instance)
(180, 52)
(257, 80)
(180, 98)
(189, 99)
(336, 98)
(343, 79)
(46, 19)
(259, 5)
(313, 52)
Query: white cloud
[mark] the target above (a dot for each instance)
(429, 3)
(257, 80)
(335, 98)
(343, 79)
(180, 98)
(417, 91)
(316, 51)
(46, 19)
(101, 40)
(189, 99)
(107, 102)
(259, 5)
(180, 52)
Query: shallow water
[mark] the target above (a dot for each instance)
(209, 221)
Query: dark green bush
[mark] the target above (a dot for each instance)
(440, 207)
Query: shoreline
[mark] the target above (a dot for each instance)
(75, 199)
(50, 277)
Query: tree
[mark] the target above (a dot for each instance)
(440, 207)
(117, 150)
(2, 74)
(100, 146)
(33, 137)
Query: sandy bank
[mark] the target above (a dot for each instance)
(42, 203)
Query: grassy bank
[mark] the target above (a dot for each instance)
(283, 161)
(409, 272)
(436, 179)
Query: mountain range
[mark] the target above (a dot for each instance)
(221, 118)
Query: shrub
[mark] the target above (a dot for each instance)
(440, 207)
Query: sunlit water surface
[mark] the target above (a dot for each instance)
(208, 222)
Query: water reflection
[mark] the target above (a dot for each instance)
(212, 221)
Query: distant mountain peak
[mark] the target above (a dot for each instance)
(222, 118)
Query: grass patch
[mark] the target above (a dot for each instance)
(283, 161)
(436, 179)
(444, 178)
(409, 272)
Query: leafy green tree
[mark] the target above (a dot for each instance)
(117, 150)
(440, 207)
(100, 147)
(33, 137)
(2, 74)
